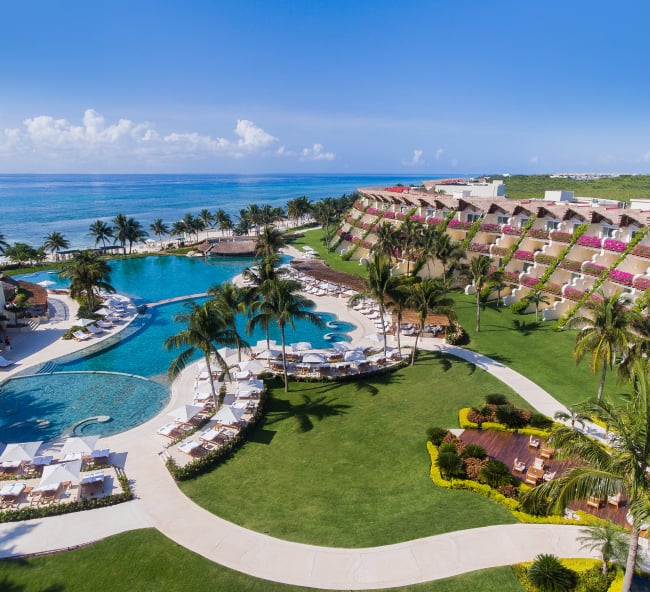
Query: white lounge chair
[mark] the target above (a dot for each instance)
(80, 336)
(94, 330)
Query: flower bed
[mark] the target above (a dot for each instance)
(553, 288)
(416, 218)
(571, 265)
(621, 277)
(561, 237)
(614, 245)
(524, 255)
(641, 251)
(540, 233)
(459, 225)
(592, 268)
(500, 251)
(528, 280)
(545, 259)
(493, 228)
(388, 215)
(573, 293)
(642, 283)
(434, 221)
(479, 248)
(366, 244)
(373, 211)
(511, 230)
(511, 276)
(590, 241)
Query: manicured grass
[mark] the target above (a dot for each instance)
(313, 239)
(346, 465)
(536, 350)
(146, 561)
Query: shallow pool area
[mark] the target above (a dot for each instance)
(125, 378)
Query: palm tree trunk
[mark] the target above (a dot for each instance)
(631, 559)
(215, 399)
(284, 361)
(444, 279)
(383, 324)
(415, 347)
(399, 341)
(478, 310)
(536, 312)
(601, 387)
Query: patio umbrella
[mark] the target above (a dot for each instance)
(253, 366)
(85, 322)
(341, 346)
(47, 283)
(20, 452)
(4, 363)
(205, 388)
(185, 412)
(313, 358)
(354, 355)
(263, 345)
(84, 445)
(102, 312)
(269, 354)
(301, 346)
(60, 473)
(228, 415)
(227, 352)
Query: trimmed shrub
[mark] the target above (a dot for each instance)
(450, 465)
(547, 574)
(436, 435)
(496, 399)
(510, 416)
(495, 474)
(474, 451)
(447, 447)
(509, 491)
(539, 420)
(593, 580)
(473, 467)
(464, 419)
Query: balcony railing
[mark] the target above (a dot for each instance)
(539, 233)
(614, 245)
(561, 237)
(590, 241)
(524, 255)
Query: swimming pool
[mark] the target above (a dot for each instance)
(74, 388)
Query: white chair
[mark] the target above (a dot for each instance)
(538, 463)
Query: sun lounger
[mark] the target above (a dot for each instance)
(9, 494)
(80, 336)
(4, 363)
(94, 330)
(190, 447)
(104, 324)
(518, 466)
(92, 478)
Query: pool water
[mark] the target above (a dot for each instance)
(126, 378)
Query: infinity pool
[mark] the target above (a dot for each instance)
(126, 379)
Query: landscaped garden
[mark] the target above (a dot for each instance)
(345, 464)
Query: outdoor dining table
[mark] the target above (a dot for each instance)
(534, 475)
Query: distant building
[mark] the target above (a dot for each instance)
(463, 188)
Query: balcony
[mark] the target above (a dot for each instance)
(490, 228)
(592, 242)
(522, 255)
(621, 277)
(617, 246)
(561, 237)
(545, 259)
(511, 230)
(570, 265)
(592, 269)
(538, 233)
(479, 248)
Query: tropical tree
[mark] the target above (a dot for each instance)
(573, 415)
(448, 252)
(621, 468)
(207, 218)
(427, 297)
(268, 242)
(87, 272)
(385, 241)
(179, 229)
(254, 216)
(101, 231)
(324, 212)
(134, 233)
(397, 293)
(206, 330)
(537, 298)
(284, 304)
(22, 252)
(609, 539)
(606, 330)
(231, 300)
(376, 284)
(159, 229)
(54, 242)
(408, 237)
(547, 574)
(426, 244)
(481, 272)
(3, 243)
(222, 220)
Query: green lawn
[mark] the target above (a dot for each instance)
(146, 561)
(536, 350)
(346, 465)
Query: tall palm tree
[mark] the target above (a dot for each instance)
(3, 243)
(427, 297)
(102, 232)
(609, 539)
(86, 273)
(325, 214)
(134, 233)
(408, 237)
(620, 469)
(231, 300)
(537, 298)
(285, 305)
(427, 239)
(605, 332)
(376, 284)
(574, 416)
(385, 241)
(207, 218)
(159, 229)
(54, 242)
(222, 220)
(448, 252)
(397, 293)
(293, 210)
(481, 271)
(254, 215)
(120, 230)
(205, 330)
(262, 279)
(268, 242)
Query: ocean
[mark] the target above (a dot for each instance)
(32, 206)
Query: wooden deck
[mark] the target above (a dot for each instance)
(505, 446)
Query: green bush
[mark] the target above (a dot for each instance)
(496, 399)
(450, 465)
(436, 435)
(495, 474)
(474, 451)
(539, 420)
(547, 574)
(510, 416)
(593, 580)
(448, 447)
(70, 331)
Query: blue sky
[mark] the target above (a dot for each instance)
(313, 86)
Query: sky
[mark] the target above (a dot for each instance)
(314, 86)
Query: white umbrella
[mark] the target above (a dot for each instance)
(4, 363)
(84, 322)
(205, 387)
(301, 346)
(313, 358)
(47, 283)
(268, 354)
(20, 452)
(341, 346)
(102, 312)
(84, 445)
(226, 352)
(354, 355)
(263, 344)
(228, 415)
(253, 366)
(185, 412)
(60, 473)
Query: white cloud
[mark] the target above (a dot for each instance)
(439, 153)
(251, 136)
(316, 153)
(416, 159)
(533, 159)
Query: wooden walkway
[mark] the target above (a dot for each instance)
(176, 299)
(505, 446)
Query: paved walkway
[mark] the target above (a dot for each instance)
(162, 505)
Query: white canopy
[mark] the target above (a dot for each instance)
(301, 346)
(4, 363)
(185, 412)
(84, 322)
(227, 352)
(313, 358)
(269, 354)
(83, 445)
(20, 452)
(262, 344)
(228, 415)
(354, 355)
(59, 473)
(252, 366)
(204, 387)
(341, 346)
(102, 312)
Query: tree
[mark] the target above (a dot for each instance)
(547, 574)
(324, 212)
(481, 271)
(223, 220)
(21, 253)
(427, 297)
(448, 252)
(205, 330)
(230, 300)
(537, 298)
(408, 237)
(605, 331)
(427, 238)
(3, 243)
(159, 229)
(134, 233)
(284, 305)
(573, 416)
(268, 242)
(87, 272)
(605, 472)
(385, 241)
(54, 242)
(102, 232)
(120, 230)
(207, 218)
(609, 539)
(398, 294)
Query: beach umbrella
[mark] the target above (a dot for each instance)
(228, 416)
(46, 283)
(313, 358)
(83, 445)
(301, 346)
(341, 346)
(85, 322)
(227, 352)
(184, 413)
(205, 388)
(252, 366)
(60, 473)
(354, 355)
(24, 451)
(263, 344)
(102, 312)
(268, 354)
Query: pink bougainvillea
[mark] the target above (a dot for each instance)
(614, 245)
(434, 221)
(494, 228)
(524, 255)
(511, 230)
(389, 215)
(538, 233)
(642, 283)
(592, 268)
(479, 248)
(589, 241)
(621, 277)
(573, 293)
(460, 225)
(642, 251)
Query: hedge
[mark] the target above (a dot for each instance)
(497, 427)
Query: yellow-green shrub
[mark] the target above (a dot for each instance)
(465, 423)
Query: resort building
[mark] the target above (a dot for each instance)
(563, 246)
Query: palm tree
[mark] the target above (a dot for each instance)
(385, 241)
(206, 330)
(86, 273)
(54, 242)
(376, 284)
(262, 280)
(547, 574)
(101, 231)
(120, 230)
(609, 539)
(398, 295)
(448, 252)
(605, 472)
(427, 297)
(254, 216)
(268, 242)
(481, 271)
(294, 210)
(134, 233)
(408, 237)
(607, 331)
(3, 243)
(222, 220)
(537, 298)
(231, 300)
(325, 214)
(573, 416)
(284, 304)
(159, 229)
(498, 284)
(427, 239)
(207, 218)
